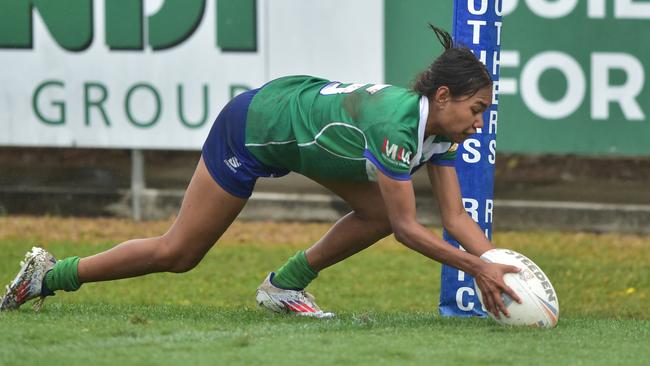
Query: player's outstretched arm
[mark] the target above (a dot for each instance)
(399, 199)
(444, 183)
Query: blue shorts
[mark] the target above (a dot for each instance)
(224, 152)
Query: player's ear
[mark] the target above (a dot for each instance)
(443, 95)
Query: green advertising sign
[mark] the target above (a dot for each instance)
(572, 72)
(70, 22)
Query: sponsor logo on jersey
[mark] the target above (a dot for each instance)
(232, 163)
(395, 152)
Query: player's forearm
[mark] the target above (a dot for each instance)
(423, 241)
(469, 234)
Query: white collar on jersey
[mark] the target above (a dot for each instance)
(426, 148)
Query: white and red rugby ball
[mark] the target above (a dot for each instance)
(539, 306)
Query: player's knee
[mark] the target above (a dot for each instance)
(175, 257)
(377, 220)
(384, 227)
(186, 264)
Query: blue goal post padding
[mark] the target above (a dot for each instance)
(476, 25)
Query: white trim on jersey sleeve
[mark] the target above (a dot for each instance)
(430, 148)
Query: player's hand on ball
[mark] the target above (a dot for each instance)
(489, 278)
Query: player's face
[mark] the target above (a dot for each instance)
(459, 117)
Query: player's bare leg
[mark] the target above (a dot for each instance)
(206, 212)
(359, 229)
(356, 231)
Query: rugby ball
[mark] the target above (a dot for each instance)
(539, 306)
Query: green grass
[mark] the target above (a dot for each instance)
(84, 334)
(385, 298)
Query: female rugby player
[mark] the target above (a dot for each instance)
(361, 141)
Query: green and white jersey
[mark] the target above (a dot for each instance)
(336, 131)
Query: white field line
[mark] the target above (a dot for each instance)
(294, 197)
(327, 198)
(588, 206)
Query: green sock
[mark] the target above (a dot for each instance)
(296, 274)
(63, 276)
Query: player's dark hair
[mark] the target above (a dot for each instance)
(457, 68)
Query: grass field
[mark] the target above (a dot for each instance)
(385, 298)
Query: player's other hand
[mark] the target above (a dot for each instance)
(489, 278)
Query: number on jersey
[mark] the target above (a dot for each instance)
(335, 88)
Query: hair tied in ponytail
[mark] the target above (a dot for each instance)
(457, 68)
(445, 38)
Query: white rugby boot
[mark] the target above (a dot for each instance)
(288, 301)
(28, 284)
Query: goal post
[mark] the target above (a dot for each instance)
(476, 25)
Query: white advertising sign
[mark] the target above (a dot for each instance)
(150, 98)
